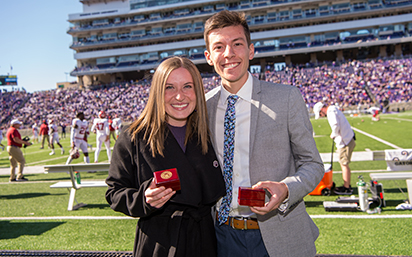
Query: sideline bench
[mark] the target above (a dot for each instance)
(72, 185)
(392, 175)
(395, 176)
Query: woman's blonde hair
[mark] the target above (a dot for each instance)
(152, 120)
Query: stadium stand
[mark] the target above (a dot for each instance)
(387, 81)
(122, 40)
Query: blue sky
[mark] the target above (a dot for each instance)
(35, 43)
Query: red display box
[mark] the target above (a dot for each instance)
(251, 197)
(167, 178)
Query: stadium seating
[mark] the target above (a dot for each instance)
(346, 85)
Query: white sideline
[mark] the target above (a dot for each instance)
(376, 138)
(69, 218)
(372, 216)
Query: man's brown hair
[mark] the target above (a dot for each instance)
(224, 19)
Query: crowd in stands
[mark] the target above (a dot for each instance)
(10, 101)
(345, 85)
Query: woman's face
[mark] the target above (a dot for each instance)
(180, 97)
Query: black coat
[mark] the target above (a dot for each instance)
(184, 225)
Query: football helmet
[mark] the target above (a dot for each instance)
(102, 115)
(74, 153)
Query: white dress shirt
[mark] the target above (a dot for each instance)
(242, 138)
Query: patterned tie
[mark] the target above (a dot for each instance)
(228, 149)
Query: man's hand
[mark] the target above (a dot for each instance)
(279, 192)
(158, 196)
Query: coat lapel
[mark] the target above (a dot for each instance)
(254, 112)
(212, 98)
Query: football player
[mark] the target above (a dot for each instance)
(111, 128)
(35, 130)
(80, 127)
(101, 128)
(54, 136)
(117, 125)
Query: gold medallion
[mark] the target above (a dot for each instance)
(166, 174)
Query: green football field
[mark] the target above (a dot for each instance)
(34, 217)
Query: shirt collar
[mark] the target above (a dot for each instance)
(245, 93)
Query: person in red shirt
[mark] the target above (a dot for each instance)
(111, 128)
(44, 132)
(14, 143)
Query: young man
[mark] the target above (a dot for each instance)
(101, 128)
(80, 127)
(14, 143)
(344, 138)
(273, 149)
(54, 137)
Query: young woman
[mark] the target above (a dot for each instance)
(170, 133)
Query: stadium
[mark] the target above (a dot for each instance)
(114, 39)
(352, 53)
(364, 46)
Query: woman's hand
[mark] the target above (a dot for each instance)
(158, 196)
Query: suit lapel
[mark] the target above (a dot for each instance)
(254, 111)
(211, 110)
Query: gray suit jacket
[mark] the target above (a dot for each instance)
(282, 148)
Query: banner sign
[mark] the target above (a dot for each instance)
(399, 160)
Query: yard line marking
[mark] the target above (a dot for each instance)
(69, 218)
(377, 138)
(377, 216)
(392, 118)
(52, 159)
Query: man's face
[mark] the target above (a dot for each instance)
(230, 53)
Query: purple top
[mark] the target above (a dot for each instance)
(179, 133)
